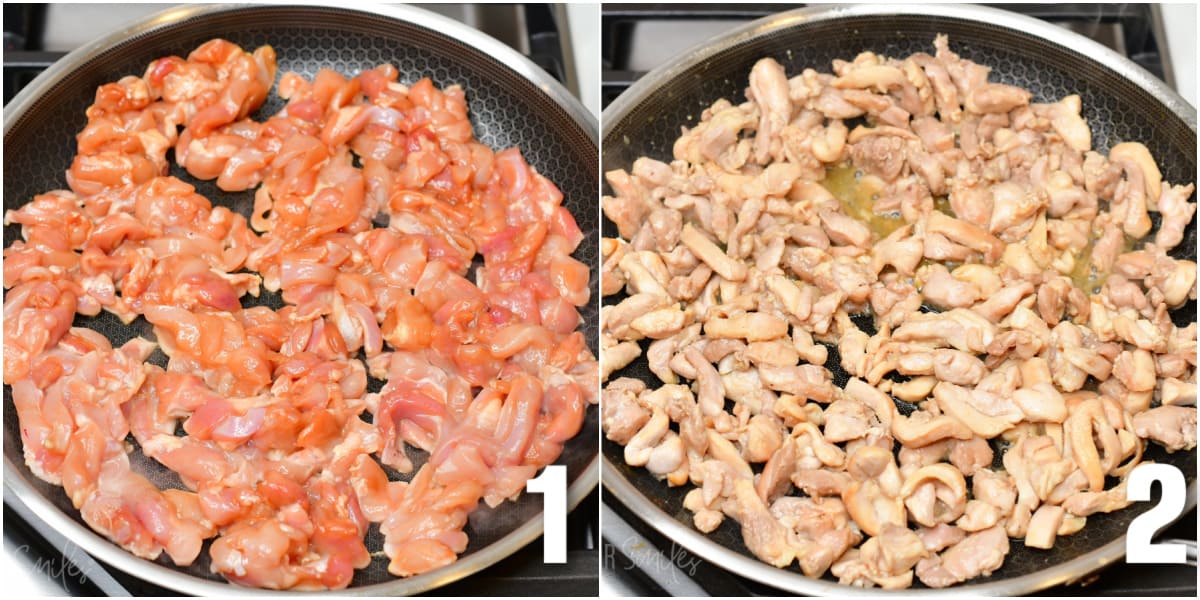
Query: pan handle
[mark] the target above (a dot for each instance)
(1190, 545)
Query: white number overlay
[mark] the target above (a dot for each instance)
(552, 485)
(1138, 548)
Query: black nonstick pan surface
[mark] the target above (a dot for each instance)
(1121, 102)
(511, 102)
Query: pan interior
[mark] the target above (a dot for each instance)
(1116, 109)
(506, 110)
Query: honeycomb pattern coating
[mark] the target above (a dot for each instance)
(505, 109)
(1116, 110)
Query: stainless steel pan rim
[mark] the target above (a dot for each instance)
(700, 545)
(17, 484)
(1128, 69)
(745, 566)
(419, 16)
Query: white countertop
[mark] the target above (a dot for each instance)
(1179, 20)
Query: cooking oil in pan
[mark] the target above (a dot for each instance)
(857, 195)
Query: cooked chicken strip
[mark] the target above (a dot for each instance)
(1136, 153)
(1172, 427)
(821, 530)
(1043, 527)
(769, 89)
(752, 327)
(847, 419)
(977, 554)
(985, 414)
(935, 494)
(1177, 212)
(708, 252)
(885, 560)
(1176, 392)
(1089, 503)
(622, 415)
(996, 98)
(617, 357)
(940, 537)
(945, 291)
(762, 533)
(966, 234)
(710, 391)
(978, 516)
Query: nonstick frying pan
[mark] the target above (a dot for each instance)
(1120, 102)
(511, 102)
